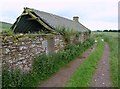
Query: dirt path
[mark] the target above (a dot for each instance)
(61, 77)
(102, 74)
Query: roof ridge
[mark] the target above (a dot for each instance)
(58, 20)
(52, 14)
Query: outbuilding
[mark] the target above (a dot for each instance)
(32, 20)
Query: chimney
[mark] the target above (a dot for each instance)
(76, 18)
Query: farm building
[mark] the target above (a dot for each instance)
(32, 20)
(20, 49)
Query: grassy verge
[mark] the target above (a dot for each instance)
(43, 66)
(112, 39)
(83, 75)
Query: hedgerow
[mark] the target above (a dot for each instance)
(43, 66)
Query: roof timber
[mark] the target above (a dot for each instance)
(40, 21)
(14, 26)
(33, 17)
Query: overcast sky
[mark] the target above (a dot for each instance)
(94, 14)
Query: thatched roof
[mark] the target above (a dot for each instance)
(26, 22)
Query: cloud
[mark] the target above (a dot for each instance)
(93, 12)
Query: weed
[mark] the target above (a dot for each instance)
(44, 66)
(67, 33)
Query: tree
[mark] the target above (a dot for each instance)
(105, 30)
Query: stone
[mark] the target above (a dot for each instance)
(22, 52)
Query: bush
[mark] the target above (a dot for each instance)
(44, 66)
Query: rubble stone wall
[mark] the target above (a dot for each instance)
(20, 49)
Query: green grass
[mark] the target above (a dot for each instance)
(110, 34)
(4, 26)
(83, 75)
(43, 66)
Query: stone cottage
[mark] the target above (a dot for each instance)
(32, 20)
(19, 50)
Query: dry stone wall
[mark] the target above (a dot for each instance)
(19, 50)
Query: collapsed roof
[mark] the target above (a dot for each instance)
(32, 20)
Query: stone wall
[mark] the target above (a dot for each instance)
(19, 50)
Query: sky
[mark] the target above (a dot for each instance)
(94, 14)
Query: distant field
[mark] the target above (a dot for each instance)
(4, 26)
(112, 34)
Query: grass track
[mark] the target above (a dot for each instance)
(112, 39)
(83, 75)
